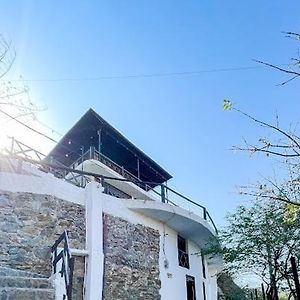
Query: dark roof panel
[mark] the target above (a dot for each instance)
(114, 145)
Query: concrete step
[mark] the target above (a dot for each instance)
(4, 271)
(25, 282)
(26, 294)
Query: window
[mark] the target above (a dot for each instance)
(183, 256)
(203, 266)
(190, 288)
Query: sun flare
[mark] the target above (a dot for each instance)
(12, 127)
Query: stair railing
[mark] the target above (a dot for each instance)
(63, 263)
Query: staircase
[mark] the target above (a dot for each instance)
(22, 285)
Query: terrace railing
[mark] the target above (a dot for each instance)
(172, 197)
(80, 178)
(19, 148)
(92, 153)
(22, 150)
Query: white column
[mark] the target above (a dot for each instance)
(94, 241)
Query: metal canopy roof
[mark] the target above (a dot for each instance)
(114, 145)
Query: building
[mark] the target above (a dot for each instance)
(95, 219)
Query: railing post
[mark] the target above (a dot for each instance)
(54, 258)
(204, 213)
(72, 261)
(99, 140)
(92, 152)
(163, 195)
(12, 144)
(138, 168)
(102, 181)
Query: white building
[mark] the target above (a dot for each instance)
(129, 235)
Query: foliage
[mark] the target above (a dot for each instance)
(260, 240)
(227, 104)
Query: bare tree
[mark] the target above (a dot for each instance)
(284, 144)
(293, 69)
(15, 102)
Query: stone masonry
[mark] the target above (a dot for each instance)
(131, 253)
(30, 224)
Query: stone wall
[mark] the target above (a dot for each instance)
(30, 224)
(131, 260)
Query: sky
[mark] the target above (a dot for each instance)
(158, 71)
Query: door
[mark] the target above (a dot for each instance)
(190, 288)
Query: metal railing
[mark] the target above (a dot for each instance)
(183, 259)
(19, 148)
(63, 260)
(92, 153)
(169, 195)
(81, 178)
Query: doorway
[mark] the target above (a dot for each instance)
(190, 288)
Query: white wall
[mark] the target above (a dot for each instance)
(40, 183)
(173, 278)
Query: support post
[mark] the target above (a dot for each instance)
(102, 182)
(99, 132)
(92, 152)
(12, 144)
(163, 195)
(138, 168)
(94, 241)
(82, 152)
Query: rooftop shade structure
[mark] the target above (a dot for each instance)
(93, 131)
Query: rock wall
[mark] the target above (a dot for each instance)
(131, 260)
(30, 224)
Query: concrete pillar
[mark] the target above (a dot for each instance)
(94, 241)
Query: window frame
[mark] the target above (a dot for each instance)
(190, 279)
(183, 255)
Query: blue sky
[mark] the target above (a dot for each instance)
(177, 120)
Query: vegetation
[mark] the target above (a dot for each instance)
(261, 238)
(15, 102)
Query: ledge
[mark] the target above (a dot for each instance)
(129, 188)
(187, 224)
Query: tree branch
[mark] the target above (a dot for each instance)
(278, 68)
